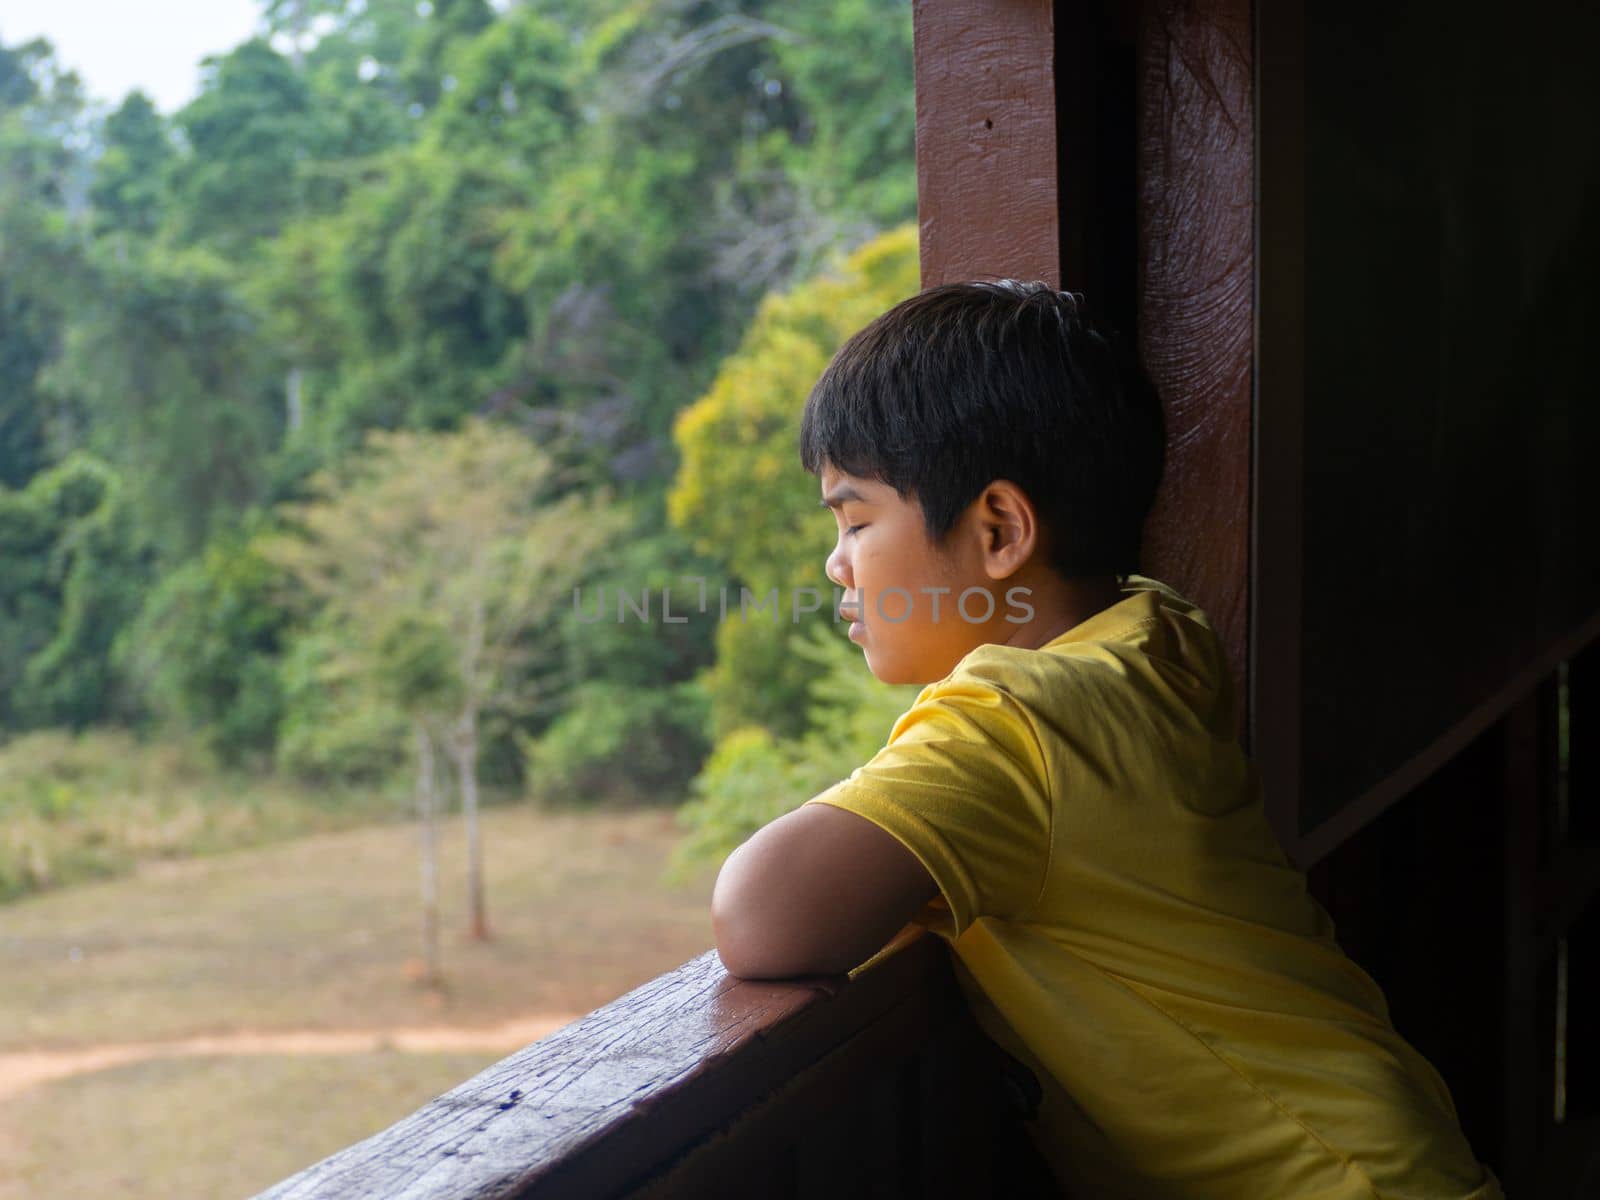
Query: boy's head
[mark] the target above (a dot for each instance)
(980, 408)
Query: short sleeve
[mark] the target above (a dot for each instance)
(962, 784)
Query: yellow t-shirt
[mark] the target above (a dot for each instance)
(1125, 922)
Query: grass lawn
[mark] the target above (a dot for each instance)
(314, 934)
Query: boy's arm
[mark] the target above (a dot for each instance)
(816, 892)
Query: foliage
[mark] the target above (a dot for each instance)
(858, 113)
(757, 678)
(130, 180)
(40, 107)
(388, 220)
(31, 315)
(71, 573)
(740, 492)
(602, 638)
(620, 742)
(436, 561)
(693, 196)
(164, 363)
(418, 323)
(753, 777)
(205, 649)
(249, 130)
(334, 727)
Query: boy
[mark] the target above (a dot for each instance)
(1065, 802)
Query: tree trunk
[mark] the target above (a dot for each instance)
(428, 835)
(466, 755)
(293, 399)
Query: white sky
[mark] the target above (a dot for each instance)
(119, 45)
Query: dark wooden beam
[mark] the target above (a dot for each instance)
(987, 192)
(1196, 306)
(697, 1084)
(1408, 776)
(1277, 518)
(1108, 149)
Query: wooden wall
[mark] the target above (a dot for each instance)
(1355, 243)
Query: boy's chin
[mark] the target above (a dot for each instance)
(891, 671)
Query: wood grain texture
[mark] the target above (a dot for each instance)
(1196, 251)
(533, 1114)
(1023, 110)
(986, 140)
(683, 1080)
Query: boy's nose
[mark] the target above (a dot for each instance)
(836, 569)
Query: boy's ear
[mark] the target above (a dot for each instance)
(1009, 526)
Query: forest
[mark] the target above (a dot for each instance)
(323, 398)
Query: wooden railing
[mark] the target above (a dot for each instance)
(698, 1084)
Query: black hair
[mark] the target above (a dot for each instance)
(967, 383)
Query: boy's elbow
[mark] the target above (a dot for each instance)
(737, 960)
(739, 947)
(750, 943)
(729, 949)
(758, 954)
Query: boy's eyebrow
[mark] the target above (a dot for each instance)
(841, 495)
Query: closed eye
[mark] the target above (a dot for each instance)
(853, 528)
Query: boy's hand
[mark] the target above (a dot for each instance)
(819, 891)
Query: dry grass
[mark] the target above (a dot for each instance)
(319, 934)
(312, 934)
(93, 805)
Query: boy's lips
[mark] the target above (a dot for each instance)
(852, 613)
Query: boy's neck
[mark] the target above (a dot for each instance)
(1063, 604)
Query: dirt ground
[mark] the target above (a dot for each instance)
(21, 1071)
(260, 983)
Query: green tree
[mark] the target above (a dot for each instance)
(36, 257)
(740, 492)
(336, 727)
(350, 53)
(392, 308)
(205, 648)
(753, 777)
(41, 169)
(71, 576)
(469, 540)
(130, 179)
(853, 149)
(692, 198)
(448, 24)
(633, 724)
(250, 133)
(164, 362)
(515, 88)
(597, 199)
(385, 215)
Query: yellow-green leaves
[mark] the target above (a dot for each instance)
(740, 492)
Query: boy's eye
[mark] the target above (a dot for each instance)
(853, 528)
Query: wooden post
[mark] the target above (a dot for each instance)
(987, 190)
(1109, 150)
